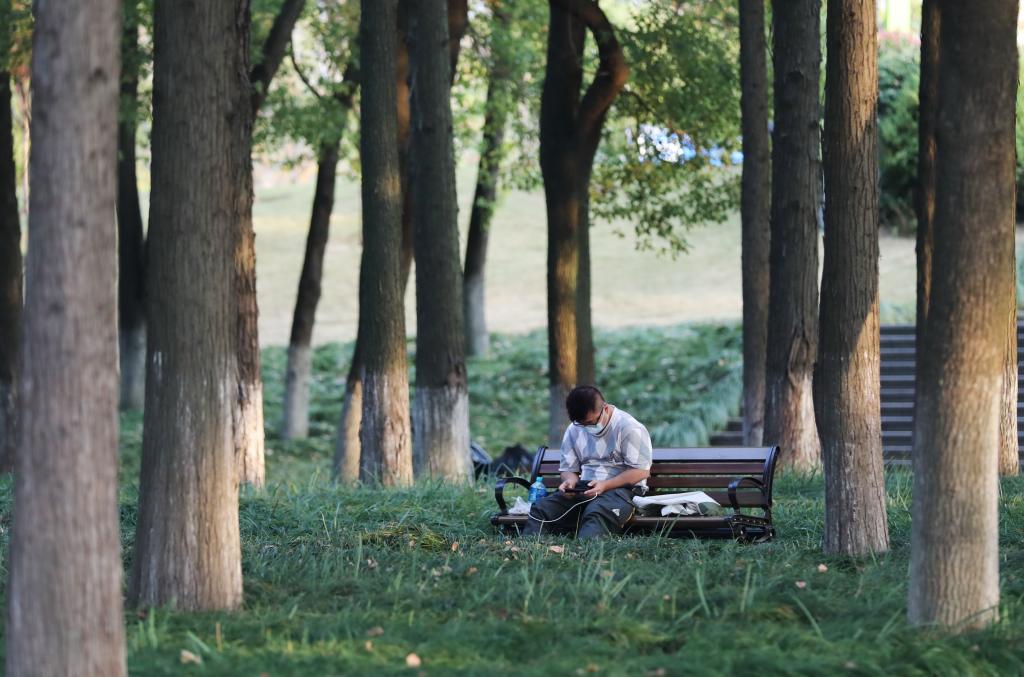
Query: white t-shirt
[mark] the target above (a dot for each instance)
(623, 444)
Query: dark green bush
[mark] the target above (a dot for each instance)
(898, 78)
(898, 81)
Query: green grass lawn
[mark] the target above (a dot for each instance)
(352, 580)
(630, 287)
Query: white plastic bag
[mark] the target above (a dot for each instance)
(520, 507)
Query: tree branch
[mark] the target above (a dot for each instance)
(612, 71)
(273, 51)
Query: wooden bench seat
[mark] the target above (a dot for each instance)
(739, 478)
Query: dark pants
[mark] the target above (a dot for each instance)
(575, 514)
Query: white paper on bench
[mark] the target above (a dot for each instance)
(687, 503)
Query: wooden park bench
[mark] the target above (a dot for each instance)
(739, 478)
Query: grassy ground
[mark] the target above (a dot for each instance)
(629, 287)
(349, 580)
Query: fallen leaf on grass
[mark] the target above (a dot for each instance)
(801, 584)
(455, 546)
(657, 672)
(368, 646)
(187, 657)
(471, 570)
(557, 548)
(822, 568)
(413, 661)
(375, 631)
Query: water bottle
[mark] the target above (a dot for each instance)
(537, 490)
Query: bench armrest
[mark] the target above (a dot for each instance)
(499, 491)
(736, 483)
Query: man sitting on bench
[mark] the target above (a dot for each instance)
(606, 457)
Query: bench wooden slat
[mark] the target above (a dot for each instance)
(692, 454)
(671, 468)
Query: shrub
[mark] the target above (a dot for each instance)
(898, 82)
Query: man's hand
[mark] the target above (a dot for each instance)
(598, 487)
(569, 480)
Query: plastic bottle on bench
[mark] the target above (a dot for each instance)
(537, 490)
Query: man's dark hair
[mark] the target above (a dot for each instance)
(581, 401)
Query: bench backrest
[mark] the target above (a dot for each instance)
(707, 469)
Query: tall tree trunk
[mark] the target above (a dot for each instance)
(496, 110)
(846, 381)
(386, 454)
(187, 548)
(295, 422)
(585, 368)
(928, 105)
(954, 564)
(130, 238)
(793, 262)
(754, 214)
(10, 280)
(250, 443)
(441, 406)
(64, 593)
(347, 451)
(570, 130)
(559, 102)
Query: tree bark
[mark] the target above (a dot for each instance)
(64, 593)
(496, 110)
(386, 454)
(10, 280)
(847, 388)
(130, 238)
(570, 130)
(954, 565)
(187, 548)
(754, 214)
(441, 406)
(793, 261)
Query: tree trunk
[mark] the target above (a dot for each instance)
(346, 447)
(10, 280)
(295, 424)
(187, 549)
(558, 162)
(64, 593)
(954, 564)
(496, 110)
(441, 406)
(928, 105)
(130, 239)
(846, 382)
(793, 262)
(386, 454)
(250, 443)
(570, 130)
(754, 214)
(585, 368)
(928, 100)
